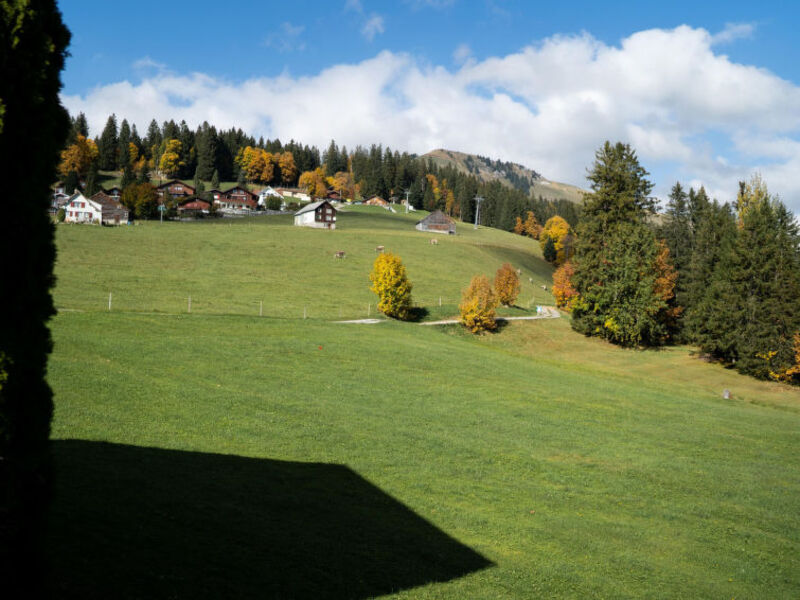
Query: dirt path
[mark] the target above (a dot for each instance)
(548, 312)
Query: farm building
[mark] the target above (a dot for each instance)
(194, 208)
(267, 193)
(321, 215)
(376, 201)
(175, 189)
(100, 208)
(236, 198)
(293, 194)
(437, 222)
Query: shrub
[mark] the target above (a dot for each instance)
(506, 284)
(391, 284)
(549, 251)
(558, 231)
(273, 203)
(477, 306)
(61, 215)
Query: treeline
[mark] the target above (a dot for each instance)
(207, 154)
(723, 277)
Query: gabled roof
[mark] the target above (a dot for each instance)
(173, 181)
(239, 187)
(436, 216)
(313, 206)
(106, 201)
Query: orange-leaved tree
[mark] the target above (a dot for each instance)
(314, 182)
(506, 284)
(390, 282)
(531, 227)
(563, 291)
(477, 306)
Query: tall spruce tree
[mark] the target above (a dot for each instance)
(616, 251)
(676, 231)
(753, 300)
(206, 140)
(123, 148)
(107, 145)
(215, 180)
(33, 129)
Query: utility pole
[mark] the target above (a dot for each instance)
(407, 193)
(478, 201)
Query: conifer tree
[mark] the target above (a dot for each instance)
(33, 129)
(123, 148)
(107, 145)
(616, 254)
(92, 185)
(215, 180)
(128, 176)
(677, 234)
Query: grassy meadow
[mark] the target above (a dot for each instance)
(220, 454)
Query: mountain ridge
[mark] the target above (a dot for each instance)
(511, 174)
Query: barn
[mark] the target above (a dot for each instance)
(437, 222)
(321, 215)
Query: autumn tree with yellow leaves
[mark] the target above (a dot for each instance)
(478, 304)
(558, 230)
(390, 282)
(314, 183)
(506, 284)
(170, 162)
(79, 156)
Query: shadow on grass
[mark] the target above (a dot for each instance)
(133, 522)
(417, 314)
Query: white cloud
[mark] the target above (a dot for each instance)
(462, 53)
(689, 112)
(733, 32)
(354, 5)
(372, 26)
(146, 63)
(287, 38)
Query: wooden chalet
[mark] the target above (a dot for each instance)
(236, 198)
(437, 222)
(320, 215)
(112, 212)
(193, 207)
(174, 189)
(114, 192)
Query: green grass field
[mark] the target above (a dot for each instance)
(220, 454)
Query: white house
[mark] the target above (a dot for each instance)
(294, 194)
(321, 215)
(80, 209)
(100, 208)
(266, 194)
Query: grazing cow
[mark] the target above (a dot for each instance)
(519, 271)
(340, 254)
(378, 248)
(544, 287)
(434, 242)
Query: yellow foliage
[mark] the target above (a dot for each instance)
(478, 303)
(170, 161)
(390, 282)
(314, 182)
(751, 194)
(79, 156)
(559, 231)
(133, 153)
(506, 284)
(287, 166)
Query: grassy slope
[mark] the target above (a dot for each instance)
(576, 468)
(227, 266)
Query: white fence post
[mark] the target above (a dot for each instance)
(109, 301)
(190, 304)
(260, 308)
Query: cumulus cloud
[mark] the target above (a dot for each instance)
(691, 113)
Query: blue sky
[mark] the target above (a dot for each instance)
(364, 72)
